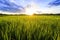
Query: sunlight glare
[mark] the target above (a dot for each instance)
(31, 9)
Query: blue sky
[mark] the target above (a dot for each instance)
(46, 6)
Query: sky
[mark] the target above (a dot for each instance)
(19, 6)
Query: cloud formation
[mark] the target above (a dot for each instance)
(20, 5)
(55, 3)
(6, 5)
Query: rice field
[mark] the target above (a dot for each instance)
(30, 27)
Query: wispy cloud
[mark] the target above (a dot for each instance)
(6, 5)
(55, 3)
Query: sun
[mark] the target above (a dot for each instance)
(30, 9)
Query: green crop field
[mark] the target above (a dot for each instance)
(30, 27)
